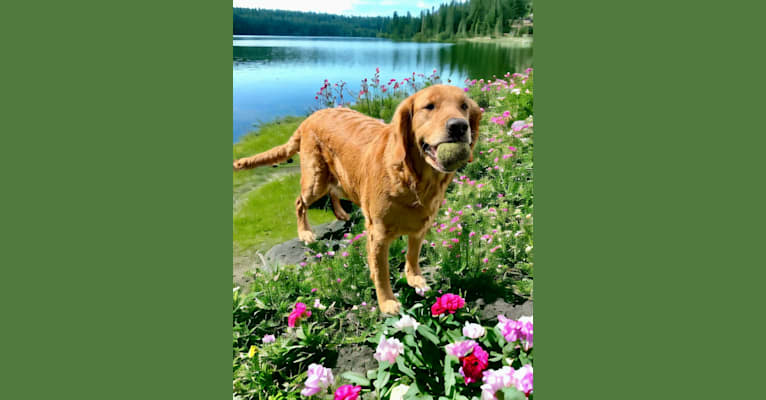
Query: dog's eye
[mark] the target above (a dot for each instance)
(464, 106)
(430, 106)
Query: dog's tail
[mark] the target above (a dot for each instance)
(276, 155)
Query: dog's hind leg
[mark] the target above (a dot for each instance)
(337, 209)
(314, 184)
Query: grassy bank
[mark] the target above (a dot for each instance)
(480, 249)
(506, 41)
(263, 197)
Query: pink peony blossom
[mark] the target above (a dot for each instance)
(347, 392)
(523, 379)
(388, 349)
(299, 311)
(495, 380)
(319, 378)
(460, 349)
(447, 303)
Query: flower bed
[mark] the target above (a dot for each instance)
(290, 329)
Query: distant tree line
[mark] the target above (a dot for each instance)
(448, 22)
(248, 21)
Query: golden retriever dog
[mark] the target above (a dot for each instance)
(390, 170)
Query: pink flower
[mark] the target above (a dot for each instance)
(347, 392)
(447, 303)
(495, 380)
(319, 378)
(523, 379)
(485, 260)
(518, 125)
(313, 290)
(460, 349)
(269, 338)
(299, 311)
(521, 330)
(344, 254)
(388, 349)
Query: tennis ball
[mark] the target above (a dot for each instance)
(453, 155)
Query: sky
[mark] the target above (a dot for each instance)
(345, 7)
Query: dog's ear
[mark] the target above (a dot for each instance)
(402, 124)
(474, 117)
(404, 138)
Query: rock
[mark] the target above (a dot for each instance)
(491, 311)
(357, 358)
(294, 251)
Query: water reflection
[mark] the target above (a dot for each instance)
(276, 76)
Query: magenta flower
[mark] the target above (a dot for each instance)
(299, 311)
(447, 303)
(521, 330)
(347, 392)
(319, 378)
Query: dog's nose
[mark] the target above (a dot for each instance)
(457, 127)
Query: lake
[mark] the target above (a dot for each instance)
(276, 76)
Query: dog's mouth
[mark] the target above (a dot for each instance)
(432, 158)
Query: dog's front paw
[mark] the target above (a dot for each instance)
(416, 281)
(306, 237)
(390, 307)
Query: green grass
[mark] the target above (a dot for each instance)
(267, 214)
(267, 136)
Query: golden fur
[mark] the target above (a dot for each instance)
(383, 168)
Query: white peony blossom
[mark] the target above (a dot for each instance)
(406, 321)
(473, 331)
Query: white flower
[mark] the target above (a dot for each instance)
(407, 321)
(422, 291)
(526, 319)
(473, 331)
(398, 392)
(388, 349)
(528, 249)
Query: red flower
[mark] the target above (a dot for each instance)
(474, 365)
(447, 303)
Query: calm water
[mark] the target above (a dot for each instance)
(276, 76)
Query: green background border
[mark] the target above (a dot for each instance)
(649, 203)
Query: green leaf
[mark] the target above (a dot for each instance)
(383, 377)
(449, 375)
(356, 378)
(403, 368)
(412, 392)
(429, 334)
(409, 340)
(415, 307)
